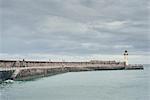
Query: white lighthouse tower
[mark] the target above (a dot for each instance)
(126, 57)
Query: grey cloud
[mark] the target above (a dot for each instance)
(74, 27)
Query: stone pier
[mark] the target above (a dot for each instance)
(24, 70)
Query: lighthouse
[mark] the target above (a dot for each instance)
(126, 57)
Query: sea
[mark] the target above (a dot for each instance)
(91, 85)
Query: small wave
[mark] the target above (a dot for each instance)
(8, 81)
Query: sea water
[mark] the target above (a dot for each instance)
(92, 85)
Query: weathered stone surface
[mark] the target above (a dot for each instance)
(4, 75)
(25, 70)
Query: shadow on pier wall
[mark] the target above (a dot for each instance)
(5, 75)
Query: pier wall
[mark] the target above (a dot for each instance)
(25, 70)
(13, 63)
(4, 75)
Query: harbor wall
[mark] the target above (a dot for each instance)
(23, 63)
(4, 75)
(26, 70)
(28, 74)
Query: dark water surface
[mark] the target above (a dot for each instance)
(95, 85)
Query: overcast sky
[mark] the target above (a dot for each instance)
(75, 29)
